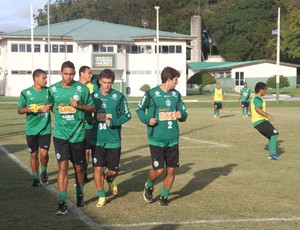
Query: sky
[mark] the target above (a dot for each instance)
(15, 14)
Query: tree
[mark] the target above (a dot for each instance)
(201, 79)
(283, 82)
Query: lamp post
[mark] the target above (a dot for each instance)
(157, 42)
(278, 57)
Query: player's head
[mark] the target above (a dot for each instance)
(169, 73)
(260, 86)
(40, 77)
(245, 84)
(106, 80)
(218, 85)
(67, 72)
(85, 74)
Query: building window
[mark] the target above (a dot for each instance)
(22, 48)
(103, 48)
(69, 48)
(62, 48)
(239, 78)
(55, 48)
(14, 47)
(37, 48)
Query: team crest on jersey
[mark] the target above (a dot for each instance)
(28, 92)
(114, 96)
(54, 89)
(168, 103)
(173, 93)
(157, 93)
(76, 97)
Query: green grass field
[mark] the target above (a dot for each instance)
(225, 180)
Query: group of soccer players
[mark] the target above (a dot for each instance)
(88, 117)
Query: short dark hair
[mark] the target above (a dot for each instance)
(67, 64)
(83, 69)
(169, 73)
(37, 73)
(106, 73)
(260, 85)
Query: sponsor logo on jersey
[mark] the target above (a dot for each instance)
(28, 92)
(167, 116)
(79, 88)
(96, 95)
(114, 96)
(157, 94)
(62, 109)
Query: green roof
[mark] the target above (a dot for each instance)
(92, 30)
(214, 66)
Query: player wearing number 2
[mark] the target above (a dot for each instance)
(111, 112)
(165, 107)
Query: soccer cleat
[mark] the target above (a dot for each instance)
(148, 196)
(113, 187)
(215, 116)
(62, 208)
(163, 201)
(44, 178)
(35, 183)
(274, 157)
(101, 202)
(80, 201)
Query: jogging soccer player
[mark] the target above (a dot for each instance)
(70, 100)
(245, 93)
(38, 125)
(111, 112)
(261, 120)
(160, 110)
(85, 76)
(217, 100)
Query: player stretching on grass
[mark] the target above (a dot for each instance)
(38, 125)
(111, 112)
(261, 120)
(70, 100)
(165, 107)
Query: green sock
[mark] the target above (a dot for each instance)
(43, 168)
(35, 175)
(101, 193)
(243, 111)
(149, 183)
(79, 189)
(215, 112)
(247, 110)
(218, 112)
(165, 192)
(273, 144)
(62, 196)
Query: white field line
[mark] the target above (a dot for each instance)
(84, 218)
(92, 225)
(212, 144)
(205, 142)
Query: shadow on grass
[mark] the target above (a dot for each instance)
(202, 179)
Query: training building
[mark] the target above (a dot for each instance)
(131, 52)
(232, 75)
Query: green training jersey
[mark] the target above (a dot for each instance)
(114, 107)
(162, 106)
(245, 93)
(39, 122)
(69, 121)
